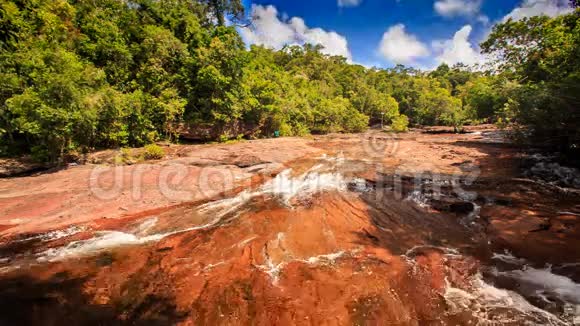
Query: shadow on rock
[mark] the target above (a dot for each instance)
(61, 300)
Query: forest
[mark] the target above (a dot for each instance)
(81, 75)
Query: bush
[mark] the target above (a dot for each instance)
(125, 157)
(40, 154)
(400, 123)
(355, 121)
(286, 130)
(300, 129)
(223, 138)
(154, 152)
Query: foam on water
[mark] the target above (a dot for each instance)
(494, 306)
(329, 258)
(490, 305)
(287, 187)
(447, 251)
(105, 240)
(55, 235)
(359, 185)
(569, 213)
(544, 281)
(226, 206)
(102, 241)
(418, 198)
(470, 219)
(146, 226)
(540, 282)
(284, 187)
(508, 257)
(475, 213)
(273, 270)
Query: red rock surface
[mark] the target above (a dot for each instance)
(333, 257)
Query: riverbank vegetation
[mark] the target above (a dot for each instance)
(79, 75)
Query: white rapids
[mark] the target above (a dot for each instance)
(494, 306)
(104, 240)
(485, 304)
(284, 187)
(541, 286)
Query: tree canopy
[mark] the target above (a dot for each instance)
(540, 57)
(78, 75)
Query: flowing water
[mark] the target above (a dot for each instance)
(384, 249)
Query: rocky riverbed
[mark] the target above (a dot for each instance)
(369, 229)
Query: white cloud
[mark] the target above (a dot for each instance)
(458, 49)
(530, 8)
(268, 30)
(400, 47)
(483, 19)
(453, 8)
(349, 3)
(334, 44)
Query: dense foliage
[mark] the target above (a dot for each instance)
(540, 56)
(76, 75)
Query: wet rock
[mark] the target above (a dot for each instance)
(371, 237)
(245, 161)
(265, 168)
(484, 199)
(361, 185)
(200, 162)
(20, 167)
(503, 201)
(310, 253)
(546, 226)
(546, 169)
(105, 259)
(462, 163)
(452, 205)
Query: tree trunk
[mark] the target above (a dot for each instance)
(218, 11)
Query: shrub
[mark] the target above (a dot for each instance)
(154, 152)
(40, 154)
(286, 130)
(223, 138)
(400, 123)
(125, 157)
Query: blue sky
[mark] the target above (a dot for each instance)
(420, 33)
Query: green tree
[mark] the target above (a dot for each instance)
(83, 74)
(55, 113)
(222, 8)
(541, 54)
